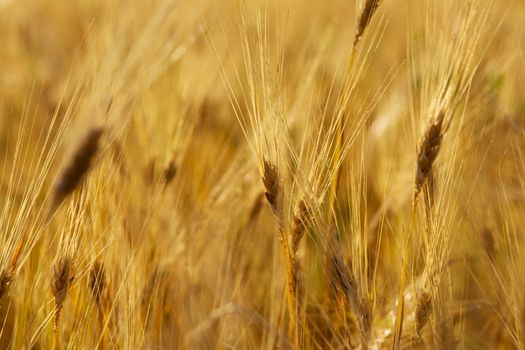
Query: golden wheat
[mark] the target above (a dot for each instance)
(388, 149)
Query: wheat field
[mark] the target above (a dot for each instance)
(262, 174)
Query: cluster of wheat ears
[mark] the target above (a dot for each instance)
(291, 174)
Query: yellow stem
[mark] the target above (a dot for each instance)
(402, 283)
(291, 297)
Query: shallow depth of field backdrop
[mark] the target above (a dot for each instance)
(262, 174)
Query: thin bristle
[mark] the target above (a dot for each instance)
(97, 281)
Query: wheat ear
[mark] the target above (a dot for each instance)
(80, 163)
